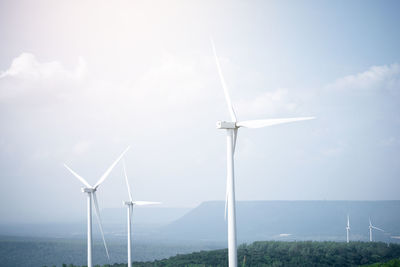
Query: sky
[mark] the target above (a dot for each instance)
(82, 80)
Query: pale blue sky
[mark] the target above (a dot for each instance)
(81, 80)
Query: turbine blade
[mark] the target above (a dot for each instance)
(226, 92)
(97, 212)
(80, 178)
(131, 208)
(348, 221)
(105, 175)
(377, 228)
(226, 206)
(145, 203)
(127, 182)
(269, 122)
(235, 133)
(226, 198)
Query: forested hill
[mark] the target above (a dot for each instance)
(273, 253)
(289, 221)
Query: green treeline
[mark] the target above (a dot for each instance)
(272, 253)
(392, 263)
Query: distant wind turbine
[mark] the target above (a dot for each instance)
(370, 230)
(231, 128)
(348, 228)
(91, 195)
(130, 205)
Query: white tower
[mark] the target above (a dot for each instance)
(91, 196)
(370, 230)
(130, 204)
(231, 128)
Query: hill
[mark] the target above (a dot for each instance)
(289, 220)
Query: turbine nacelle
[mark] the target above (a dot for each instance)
(226, 125)
(88, 190)
(140, 203)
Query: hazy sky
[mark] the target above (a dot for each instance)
(82, 80)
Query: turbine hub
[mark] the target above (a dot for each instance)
(226, 125)
(128, 203)
(88, 190)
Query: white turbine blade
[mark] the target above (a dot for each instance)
(127, 182)
(78, 176)
(348, 221)
(269, 122)
(97, 212)
(226, 202)
(235, 133)
(226, 92)
(226, 198)
(145, 203)
(131, 208)
(370, 224)
(105, 175)
(377, 228)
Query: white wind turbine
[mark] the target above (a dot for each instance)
(91, 194)
(231, 128)
(130, 205)
(348, 228)
(370, 229)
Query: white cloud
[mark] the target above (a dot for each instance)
(27, 76)
(386, 77)
(27, 66)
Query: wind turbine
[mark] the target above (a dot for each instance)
(91, 195)
(232, 128)
(129, 204)
(348, 228)
(370, 229)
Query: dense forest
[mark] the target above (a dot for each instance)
(273, 253)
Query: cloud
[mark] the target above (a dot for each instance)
(386, 77)
(27, 76)
(27, 66)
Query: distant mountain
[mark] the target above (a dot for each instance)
(256, 220)
(146, 221)
(289, 220)
(150, 215)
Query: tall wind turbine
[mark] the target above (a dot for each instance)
(348, 228)
(91, 195)
(231, 128)
(129, 204)
(370, 230)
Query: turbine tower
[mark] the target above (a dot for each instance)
(129, 204)
(370, 230)
(91, 196)
(231, 128)
(348, 228)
